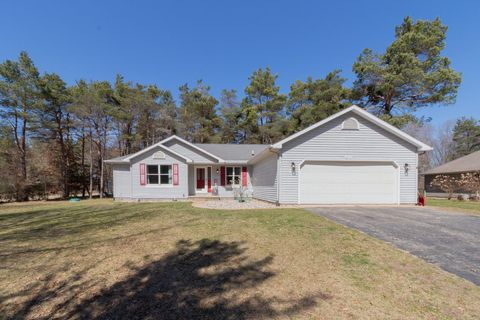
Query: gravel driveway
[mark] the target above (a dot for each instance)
(449, 240)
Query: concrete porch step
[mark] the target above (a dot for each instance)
(205, 197)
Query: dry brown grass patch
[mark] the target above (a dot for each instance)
(99, 259)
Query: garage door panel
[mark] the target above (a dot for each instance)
(348, 183)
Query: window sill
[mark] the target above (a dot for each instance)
(159, 185)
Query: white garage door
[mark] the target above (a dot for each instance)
(348, 183)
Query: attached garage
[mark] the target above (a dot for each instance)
(349, 182)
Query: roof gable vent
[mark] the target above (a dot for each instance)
(350, 124)
(159, 155)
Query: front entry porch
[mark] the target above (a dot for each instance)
(215, 180)
(203, 180)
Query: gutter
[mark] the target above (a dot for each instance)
(116, 161)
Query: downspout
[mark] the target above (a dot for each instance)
(279, 159)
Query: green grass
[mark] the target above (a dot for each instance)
(101, 259)
(466, 205)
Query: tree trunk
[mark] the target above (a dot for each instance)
(101, 187)
(23, 154)
(99, 143)
(91, 167)
(44, 187)
(64, 155)
(387, 107)
(84, 185)
(103, 143)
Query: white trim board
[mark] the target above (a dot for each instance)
(220, 160)
(158, 144)
(366, 115)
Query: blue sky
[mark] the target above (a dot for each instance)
(170, 43)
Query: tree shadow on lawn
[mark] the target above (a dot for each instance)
(197, 280)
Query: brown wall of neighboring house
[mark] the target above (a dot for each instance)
(430, 177)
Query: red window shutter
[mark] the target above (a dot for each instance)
(142, 174)
(222, 176)
(175, 174)
(244, 176)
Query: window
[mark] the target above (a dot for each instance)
(152, 174)
(159, 174)
(165, 174)
(234, 175)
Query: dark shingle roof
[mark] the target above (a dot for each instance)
(467, 163)
(229, 152)
(233, 151)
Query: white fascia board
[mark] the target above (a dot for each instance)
(116, 161)
(160, 145)
(262, 154)
(233, 162)
(394, 130)
(366, 115)
(279, 144)
(220, 160)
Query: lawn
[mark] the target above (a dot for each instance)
(106, 260)
(465, 206)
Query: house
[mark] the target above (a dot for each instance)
(468, 163)
(351, 157)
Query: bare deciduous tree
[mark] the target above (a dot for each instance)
(439, 137)
(470, 181)
(446, 183)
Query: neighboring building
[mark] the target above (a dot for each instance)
(351, 157)
(468, 163)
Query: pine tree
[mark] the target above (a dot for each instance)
(198, 118)
(410, 74)
(263, 99)
(19, 98)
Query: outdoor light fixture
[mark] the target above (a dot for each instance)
(292, 165)
(216, 171)
(405, 166)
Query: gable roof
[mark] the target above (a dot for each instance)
(467, 163)
(221, 152)
(233, 152)
(243, 152)
(117, 159)
(127, 158)
(193, 146)
(366, 115)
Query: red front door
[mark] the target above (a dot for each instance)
(200, 178)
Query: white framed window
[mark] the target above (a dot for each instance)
(159, 174)
(234, 176)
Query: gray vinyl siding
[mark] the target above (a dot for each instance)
(264, 180)
(159, 192)
(329, 142)
(189, 152)
(121, 181)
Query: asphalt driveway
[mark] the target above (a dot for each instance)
(448, 240)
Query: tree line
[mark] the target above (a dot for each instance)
(55, 137)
